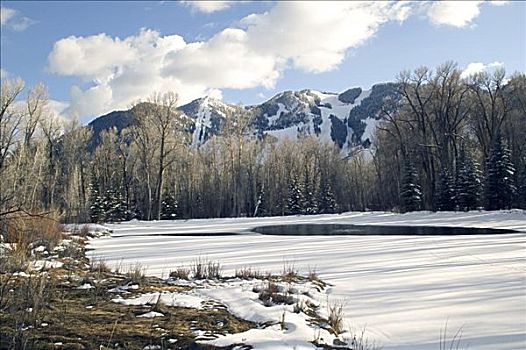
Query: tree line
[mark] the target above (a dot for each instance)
(447, 143)
(454, 143)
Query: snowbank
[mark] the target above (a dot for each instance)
(403, 289)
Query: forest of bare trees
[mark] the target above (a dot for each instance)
(449, 143)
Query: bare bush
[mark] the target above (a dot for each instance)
(25, 229)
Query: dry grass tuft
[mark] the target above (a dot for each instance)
(361, 342)
(289, 273)
(248, 273)
(180, 272)
(135, 273)
(99, 267)
(336, 316)
(270, 295)
(206, 269)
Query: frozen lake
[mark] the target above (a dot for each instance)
(402, 288)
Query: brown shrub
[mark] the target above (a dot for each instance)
(37, 229)
(24, 231)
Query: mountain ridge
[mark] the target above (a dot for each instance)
(346, 119)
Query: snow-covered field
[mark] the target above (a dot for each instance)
(403, 289)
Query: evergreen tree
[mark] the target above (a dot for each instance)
(445, 195)
(295, 198)
(97, 210)
(115, 208)
(310, 202)
(410, 191)
(168, 208)
(327, 202)
(468, 185)
(500, 186)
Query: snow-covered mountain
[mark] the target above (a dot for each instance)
(207, 114)
(309, 112)
(347, 119)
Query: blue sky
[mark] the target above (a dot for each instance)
(100, 56)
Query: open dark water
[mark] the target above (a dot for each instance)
(372, 230)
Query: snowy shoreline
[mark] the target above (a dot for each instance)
(401, 288)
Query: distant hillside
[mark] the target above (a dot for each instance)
(347, 119)
(117, 119)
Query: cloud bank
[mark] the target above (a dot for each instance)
(311, 37)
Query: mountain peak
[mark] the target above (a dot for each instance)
(347, 118)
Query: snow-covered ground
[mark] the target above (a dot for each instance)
(403, 289)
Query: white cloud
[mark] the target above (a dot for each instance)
(456, 13)
(208, 6)
(6, 14)
(479, 67)
(3, 74)
(268, 43)
(10, 18)
(316, 35)
(225, 61)
(453, 13)
(91, 57)
(121, 71)
(309, 36)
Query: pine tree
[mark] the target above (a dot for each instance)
(445, 195)
(468, 184)
(410, 191)
(115, 208)
(500, 186)
(327, 202)
(168, 208)
(97, 210)
(295, 199)
(310, 202)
